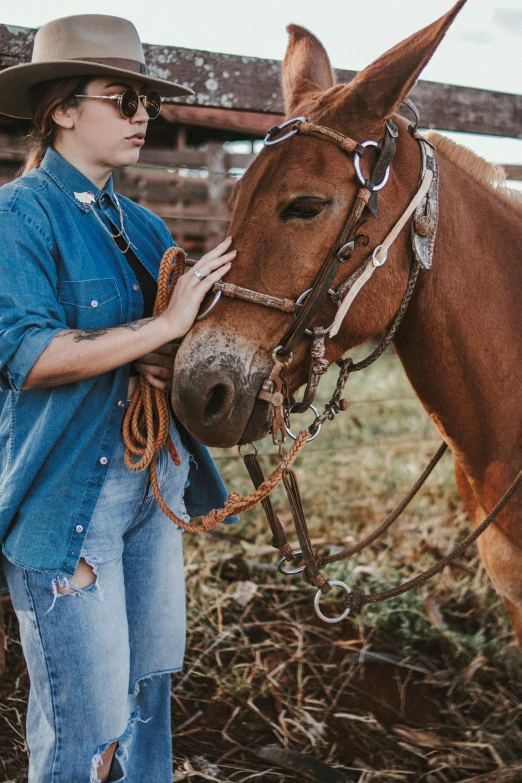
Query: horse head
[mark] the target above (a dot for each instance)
(287, 212)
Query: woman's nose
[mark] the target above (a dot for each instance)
(141, 115)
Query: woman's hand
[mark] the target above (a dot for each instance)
(190, 290)
(158, 366)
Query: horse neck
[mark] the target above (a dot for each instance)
(461, 340)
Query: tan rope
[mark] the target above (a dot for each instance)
(146, 424)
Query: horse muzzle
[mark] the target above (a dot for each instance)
(215, 386)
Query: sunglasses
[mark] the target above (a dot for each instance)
(129, 102)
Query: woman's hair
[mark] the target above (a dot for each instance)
(46, 97)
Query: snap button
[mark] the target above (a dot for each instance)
(135, 287)
(103, 460)
(121, 403)
(79, 528)
(94, 303)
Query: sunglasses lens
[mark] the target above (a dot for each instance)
(129, 103)
(153, 105)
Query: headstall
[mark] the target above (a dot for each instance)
(423, 207)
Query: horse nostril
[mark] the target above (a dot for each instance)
(219, 402)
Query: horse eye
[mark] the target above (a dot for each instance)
(303, 209)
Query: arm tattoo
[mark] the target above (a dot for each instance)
(79, 335)
(135, 325)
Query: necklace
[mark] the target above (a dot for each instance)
(121, 233)
(87, 199)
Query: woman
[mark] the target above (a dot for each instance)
(94, 568)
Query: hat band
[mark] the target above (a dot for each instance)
(117, 62)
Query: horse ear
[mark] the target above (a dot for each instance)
(385, 83)
(306, 67)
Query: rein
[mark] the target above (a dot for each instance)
(146, 422)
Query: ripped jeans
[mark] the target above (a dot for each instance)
(100, 657)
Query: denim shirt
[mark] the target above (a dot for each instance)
(59, 269)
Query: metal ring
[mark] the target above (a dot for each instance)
(283, 361)
(290, 570)
(210, 307)
(323, 616)
(199, 274)
(267, 140)
(357, 166)
(378, 261)
(303, 296)
(245, 445)
(287, 421)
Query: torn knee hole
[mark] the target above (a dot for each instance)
(83, 577)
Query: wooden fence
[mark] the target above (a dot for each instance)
(189, 188)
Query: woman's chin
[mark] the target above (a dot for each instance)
(125, 158)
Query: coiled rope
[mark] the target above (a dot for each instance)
(146, 424)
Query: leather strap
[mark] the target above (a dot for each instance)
(311, 572)
(325, 277)
(318, 367)
(279, 539)
(364, 197)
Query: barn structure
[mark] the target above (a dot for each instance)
(192, 160)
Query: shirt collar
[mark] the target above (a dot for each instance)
(72, 181)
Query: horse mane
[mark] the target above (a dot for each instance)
(492, 177)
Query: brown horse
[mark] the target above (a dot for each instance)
(461, 340)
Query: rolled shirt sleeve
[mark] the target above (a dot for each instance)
(30, 314)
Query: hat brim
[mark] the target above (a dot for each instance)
(16, 82)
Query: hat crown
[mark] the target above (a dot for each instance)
(87, 36)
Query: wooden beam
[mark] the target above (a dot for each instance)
(228, 81)
(514, 172)
(249, 122)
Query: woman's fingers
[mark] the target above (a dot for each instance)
(205, 285)
(157, 382)
(156, 370)
(207, 266)
(218, 250)
(190, 290)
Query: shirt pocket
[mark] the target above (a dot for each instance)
(91, 304)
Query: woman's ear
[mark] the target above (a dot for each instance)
(64, 116)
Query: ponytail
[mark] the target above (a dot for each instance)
(46, 98)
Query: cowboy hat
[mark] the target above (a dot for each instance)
(79, 46)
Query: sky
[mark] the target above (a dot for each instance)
(483, 48)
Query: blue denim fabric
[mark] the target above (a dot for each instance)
(59, 269)
(99, 658)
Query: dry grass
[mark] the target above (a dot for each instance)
(425, 687)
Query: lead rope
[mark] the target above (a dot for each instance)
(146, 424)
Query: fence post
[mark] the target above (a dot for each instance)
(217, 208)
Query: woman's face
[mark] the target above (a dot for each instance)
(97, 130)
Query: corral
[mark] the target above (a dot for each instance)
(426, 688)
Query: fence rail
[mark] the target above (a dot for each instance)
(253, 84)
(189, 188)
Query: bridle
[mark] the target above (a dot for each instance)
(423, 204)
(423, 212)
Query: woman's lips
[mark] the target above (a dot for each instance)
(138, 141)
